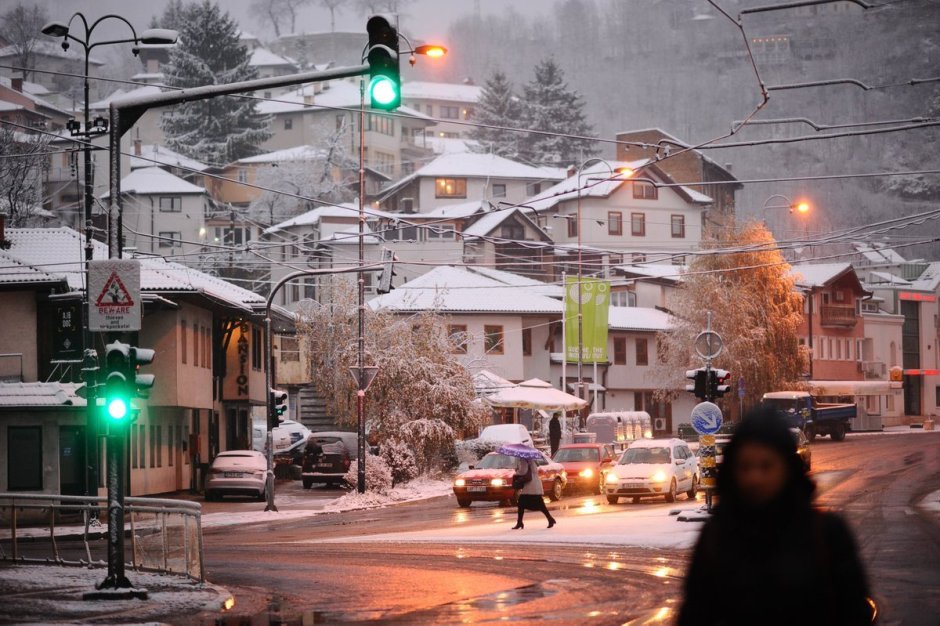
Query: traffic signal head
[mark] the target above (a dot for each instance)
(698, 387)
(388, 271)
(382, 54)
(717, 383)
(117, 385)
(279, 404)
(143, 383)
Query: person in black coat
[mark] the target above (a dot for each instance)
(767, 556)
(554, 433)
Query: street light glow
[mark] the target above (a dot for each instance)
(431, 50)
(802, 208)
(626, 172)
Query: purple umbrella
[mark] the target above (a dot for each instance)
(519, 450)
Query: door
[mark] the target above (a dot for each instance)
(24, 458)
(72, 460)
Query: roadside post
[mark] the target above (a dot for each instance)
(706, 416)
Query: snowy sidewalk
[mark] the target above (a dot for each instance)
(53, 594)
(644, 527)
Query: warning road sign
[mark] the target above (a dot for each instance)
(114, 295)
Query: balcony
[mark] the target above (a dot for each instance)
(832, 315)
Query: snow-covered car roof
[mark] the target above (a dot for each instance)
(655, 443)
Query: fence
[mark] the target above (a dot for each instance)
(165, 535)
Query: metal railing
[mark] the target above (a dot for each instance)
(165, 535)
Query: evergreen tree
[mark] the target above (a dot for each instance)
(550, 105)
(218, 130)
(174, 15)
(498, 106)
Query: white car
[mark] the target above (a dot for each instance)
(653, 467)
(237, 473)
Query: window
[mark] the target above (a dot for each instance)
(678, 226)
(133, 447)
(232, 236)
(493, 339)
(620, 351)
(288, 123)
(638, 224)
(526, 342)
(642, 351)
(499, 190)
(381, 124)
(290, 349)
(142, 444)
(242, 175)
(450, 113)
(614, 223)
(622, 298)
(403, 233)
(196, 341)
(184, 342)
(153, 441)
(171, 444)
(535, 188)
(207, 347)
(450, 188)
(170, 239)
(171, 204)
(638, 257)
(515, 232)
(839, 295)
(457, 333)
(256, 359)
(441, 231)
(24, 458)
(572, 225)
(644, 191)
(159, 446)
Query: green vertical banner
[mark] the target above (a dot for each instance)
(595, 303)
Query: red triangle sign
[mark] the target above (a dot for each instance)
(114, 293)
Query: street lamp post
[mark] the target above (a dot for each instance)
(87, 132)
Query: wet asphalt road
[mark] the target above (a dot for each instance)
(874, 480)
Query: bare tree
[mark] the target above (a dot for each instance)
(382, 6)
(21, 27)
(279, 14)
(332, 6)
(22, 168)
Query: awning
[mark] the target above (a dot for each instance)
(534, 394)
(853, 387)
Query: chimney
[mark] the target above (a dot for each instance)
(571, 171)
(137, 144)
(17, 84)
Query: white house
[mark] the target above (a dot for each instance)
(448, 102)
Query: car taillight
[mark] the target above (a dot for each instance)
(215, 470)
(346, 463)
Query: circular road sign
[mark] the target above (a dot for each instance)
(706, 418)
(708, 344)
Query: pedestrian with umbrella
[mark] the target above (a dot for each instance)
(527, 482)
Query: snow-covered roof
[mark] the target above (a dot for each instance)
(262, 57)
(491, 220)
(530, 285)
(58, 251)
(662, 271)
(426, 90)
(48, 48)
(880, 279)
(313, 216)
(146, 90)
(155, 180)
(600, 187)
(16, 272)
(878, 253)
(296, 153)
(678, 141)
(456, 290)
(819, 274)
(39, 394)
(929, 279)
(462, 210)
(448, 145)
(165, 157)
(336, 93)
(696, 196)
(638, 318)
(32, 92)
(148, 77)
(350, 235)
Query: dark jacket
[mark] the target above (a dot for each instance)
(782, 563)
(554, 429)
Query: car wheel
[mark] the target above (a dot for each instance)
(837, 433)
(464, 503)
(635, 499)
(210, 496)
(694, 489)
(261, 496)
(613, 499)
(557, 490)
(307, 483)
(671, 495)
(810, 433)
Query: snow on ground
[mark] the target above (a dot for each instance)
(931, 504)
(629, 526)
(53, 593)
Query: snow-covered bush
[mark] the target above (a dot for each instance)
(401, 461)
(378, 475)
(429, 438)
(472, 450)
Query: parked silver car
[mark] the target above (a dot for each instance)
(237, 473)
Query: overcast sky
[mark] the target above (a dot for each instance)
(425, 19)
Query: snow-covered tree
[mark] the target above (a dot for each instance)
(498, 106)
(378, 475)
(174, 16)
(548, 104)
(218, 130)
(744, 281)
(421, 394)
(401, 461)
(326, 175)
(21, 26)
(21, 173)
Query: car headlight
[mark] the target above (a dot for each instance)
(460, 482)
(659, 477)
(586, 473)
(497, 482)
(611, 478)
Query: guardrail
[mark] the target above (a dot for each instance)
(165, 535)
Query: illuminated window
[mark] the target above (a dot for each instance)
(645, 191)
(450, 187)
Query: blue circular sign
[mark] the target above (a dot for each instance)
(706, 418)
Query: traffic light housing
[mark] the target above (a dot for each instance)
(278, 404)
(698, 387)
(388, 271)
(384, 73)
(122, 383)
(717, 386)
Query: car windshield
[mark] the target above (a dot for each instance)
(653, 456)
(577, 455)
(497, 461)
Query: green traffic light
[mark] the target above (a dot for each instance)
(383, 90)
(117, 408)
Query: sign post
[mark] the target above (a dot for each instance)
(706, 420)
(114, 295)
